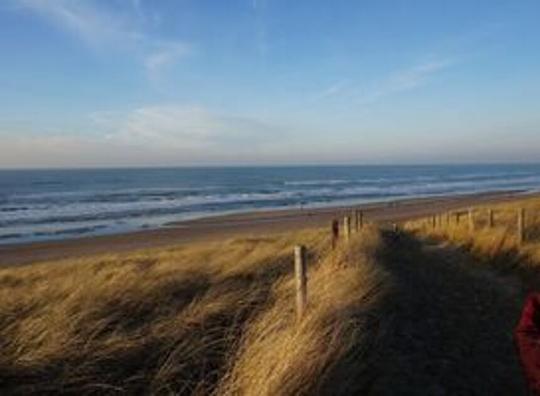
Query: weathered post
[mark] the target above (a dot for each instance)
(491, 219)
(361, 218)
(471, 219)
(346, 228)
(356, 220)
(521, 226)
(434, 221)
(334, 229)
(300, 274)
(457, 217)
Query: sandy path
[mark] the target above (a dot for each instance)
(451, 325)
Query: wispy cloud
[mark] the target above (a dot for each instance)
(354, 93)
(94, 25)
(107, 28)
(183, 127)
(259, 4)
(416, 75)
(333, 90)
(261, 30)
(164, 55)
(172, 134)
(403, 80)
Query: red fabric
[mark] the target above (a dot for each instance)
(527, 338)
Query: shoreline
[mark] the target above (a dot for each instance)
(231, 225)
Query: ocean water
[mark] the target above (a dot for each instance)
(57, 204)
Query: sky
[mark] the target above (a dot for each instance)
(101, 83)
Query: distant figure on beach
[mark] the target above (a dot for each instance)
(527, 339)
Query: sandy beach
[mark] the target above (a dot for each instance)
(212, 228)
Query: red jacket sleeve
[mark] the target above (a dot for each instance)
(527, 338)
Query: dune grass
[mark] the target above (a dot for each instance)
(214, 318)
(326, 350)
(498, 246)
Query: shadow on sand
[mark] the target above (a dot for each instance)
(450, 324)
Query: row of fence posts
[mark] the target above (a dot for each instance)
(300, 256)
(436, 221)
(300, 252)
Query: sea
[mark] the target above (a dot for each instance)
(37, 205)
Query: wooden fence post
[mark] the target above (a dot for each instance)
(356, 220)
(361, 218)
(457, 218)
(300, 274)
(471, 219)
(346, 228)
(491, 218)
(334, 229)
(434, 221)
(521, 226)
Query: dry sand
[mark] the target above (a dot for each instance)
(212, 228)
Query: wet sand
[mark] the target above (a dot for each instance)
(254, 223)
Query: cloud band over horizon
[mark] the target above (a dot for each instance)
(137, 83)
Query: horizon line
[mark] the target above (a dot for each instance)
(306, 165)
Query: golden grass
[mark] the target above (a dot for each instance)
(499, 245)
(278, 357)
(214, 318)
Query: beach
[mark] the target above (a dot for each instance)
(269, 198)
(252, 223)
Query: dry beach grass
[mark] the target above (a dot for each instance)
(425, 310)
(213, 318)
(498, 246)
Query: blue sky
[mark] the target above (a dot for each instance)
(179, 82)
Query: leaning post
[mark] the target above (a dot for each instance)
(300, 274)
(521, 226)
(471, 219)
(346, 228)
(334, 229)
